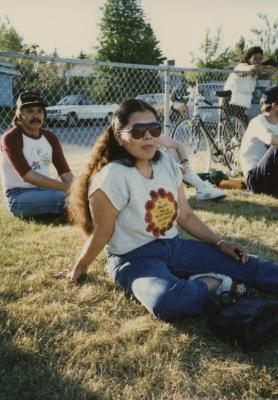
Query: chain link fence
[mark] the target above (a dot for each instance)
(82, 96)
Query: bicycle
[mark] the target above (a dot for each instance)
(219, 143)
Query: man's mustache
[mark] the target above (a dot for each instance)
(35, 120)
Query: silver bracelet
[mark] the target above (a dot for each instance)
(218, 244)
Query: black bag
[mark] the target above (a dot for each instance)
(251, 322)
(214, 177)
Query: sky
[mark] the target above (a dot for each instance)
(180, 25)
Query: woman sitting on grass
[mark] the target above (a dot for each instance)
(130, 199)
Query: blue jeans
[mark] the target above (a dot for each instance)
(156, 274)
(264, 177)
(34, 202)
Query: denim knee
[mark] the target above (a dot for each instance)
(182, 299)
(34, 202)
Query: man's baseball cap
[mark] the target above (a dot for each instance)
(270, 95)
(30, 99)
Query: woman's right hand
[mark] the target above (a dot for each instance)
(79, 271)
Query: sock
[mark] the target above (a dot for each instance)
(194, 180)
(225, 285)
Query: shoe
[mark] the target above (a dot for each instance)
(242, 289)
(209, 192)
(237, 290)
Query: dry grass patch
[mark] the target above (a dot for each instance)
(95, 342)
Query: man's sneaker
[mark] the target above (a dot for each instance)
(210, 192)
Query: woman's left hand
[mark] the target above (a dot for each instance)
(234, 250)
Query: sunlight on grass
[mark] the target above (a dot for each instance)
(95, 342)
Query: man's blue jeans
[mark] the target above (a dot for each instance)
(264, 177)
(156, 274)
(35, 201)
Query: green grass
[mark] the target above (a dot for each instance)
(95, 342)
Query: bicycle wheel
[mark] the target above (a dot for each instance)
(233, 131)
(192, 135)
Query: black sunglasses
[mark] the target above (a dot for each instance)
(138, 131)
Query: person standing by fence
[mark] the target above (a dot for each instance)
(242, 81)
(27, 152)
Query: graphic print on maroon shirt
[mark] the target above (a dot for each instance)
(161, 212)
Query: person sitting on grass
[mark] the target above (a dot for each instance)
(259, 147)
(130, 199)
(27, 152)
(204, 189)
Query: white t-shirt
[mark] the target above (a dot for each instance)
(20, 153)
(242, 86)
(255, 141)
(147, 208)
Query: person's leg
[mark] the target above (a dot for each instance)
(144, 273)
(35, 202)
(191, 257)
(264, 177)
(205, 191)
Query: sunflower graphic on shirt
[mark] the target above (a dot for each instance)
(161, 212)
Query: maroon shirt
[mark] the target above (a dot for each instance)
(15, 155)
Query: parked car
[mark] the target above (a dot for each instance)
(156, 100)
(74, 108)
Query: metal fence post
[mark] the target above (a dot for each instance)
(167, 102)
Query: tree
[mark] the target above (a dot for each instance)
(10, 40)
(239, 50)
(267, 36)
(33, 49)
(125, 36)
(212, 56)
(82, 55)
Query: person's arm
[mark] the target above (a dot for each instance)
(244, 69)
(194, 226)
(100, 205)
(177, 150)
(58, 158)
(67, 177)
(261, 132)
(170, 143)
(269, 69)
(274, 140)
(37, 179)
(255, 69)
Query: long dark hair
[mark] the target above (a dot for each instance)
(106, 149)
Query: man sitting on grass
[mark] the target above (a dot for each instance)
(259, 147)
(27, 151)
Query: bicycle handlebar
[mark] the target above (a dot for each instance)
(207, 102)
